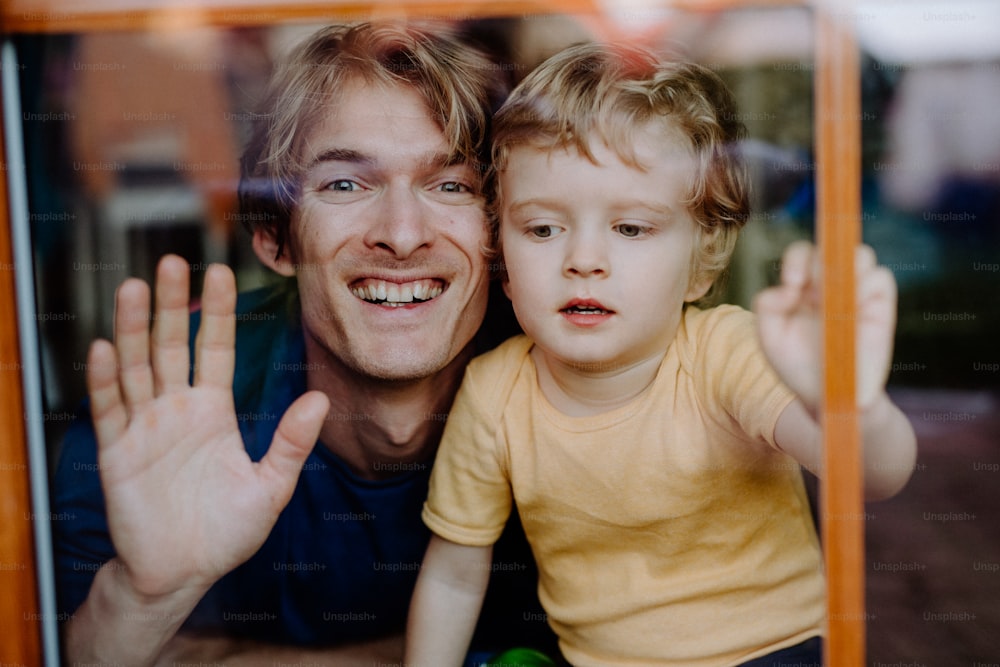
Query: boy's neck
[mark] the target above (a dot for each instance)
(577, 392)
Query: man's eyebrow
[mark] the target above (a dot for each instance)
(341, 155)
(443, 160)
(439, 160)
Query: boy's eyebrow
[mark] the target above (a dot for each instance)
(553, 204)
(661, 209)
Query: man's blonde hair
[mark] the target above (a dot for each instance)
(594, 91)
(457, 82)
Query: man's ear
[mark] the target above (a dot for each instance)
(265, 246)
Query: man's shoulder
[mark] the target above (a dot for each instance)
(280, 295)
(276, 304)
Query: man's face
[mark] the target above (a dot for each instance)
(386, 241)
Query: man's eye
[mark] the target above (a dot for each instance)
(454, 186)
(343, 185)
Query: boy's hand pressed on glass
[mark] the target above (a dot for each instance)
(790, 327)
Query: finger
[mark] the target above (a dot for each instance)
(778, 300)
(797, 264)
(132, 343)
(864, 260)
(106, 407)
(215, 345)
(293, 440)
(877, 288)
(876, 333)
(170, 355)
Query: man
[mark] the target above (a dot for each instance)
(363, 187)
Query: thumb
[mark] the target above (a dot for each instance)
(776, 301)
(293, 440)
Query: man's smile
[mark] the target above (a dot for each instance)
(393, 294)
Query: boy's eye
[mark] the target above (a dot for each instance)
(543, 231)
(343, 185)
(630, 230)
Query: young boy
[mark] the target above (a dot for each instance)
(652, 448)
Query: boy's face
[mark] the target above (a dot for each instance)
(599, 255)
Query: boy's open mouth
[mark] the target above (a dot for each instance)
(586, 310)
(585, 307)
(394, 295)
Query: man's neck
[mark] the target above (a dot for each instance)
(381, 428)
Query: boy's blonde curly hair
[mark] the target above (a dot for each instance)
(606, 92)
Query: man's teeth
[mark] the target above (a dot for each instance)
(387, 293)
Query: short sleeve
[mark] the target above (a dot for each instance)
(736, 383)
(470, 497)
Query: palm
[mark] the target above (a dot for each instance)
(790, 324)
(180, 472)
(185, 503)
(791, 341)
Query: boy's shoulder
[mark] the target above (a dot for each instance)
(504, 358)
(719, 326)
(491, 376)
(702, 320)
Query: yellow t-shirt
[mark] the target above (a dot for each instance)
(670, 531)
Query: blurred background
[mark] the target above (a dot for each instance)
(132, 140)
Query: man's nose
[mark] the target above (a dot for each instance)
(402, 224)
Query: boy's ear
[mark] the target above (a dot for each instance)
(265, 246)
(700, 282)
(697, 289)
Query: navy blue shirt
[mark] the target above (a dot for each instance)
(343, 557)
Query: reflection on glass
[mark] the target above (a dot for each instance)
(133, 138)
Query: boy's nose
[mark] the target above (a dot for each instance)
(401, 223)
(587, 256)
